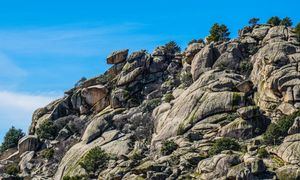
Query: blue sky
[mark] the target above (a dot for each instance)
(46, 46)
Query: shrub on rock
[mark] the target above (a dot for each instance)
(297, 31)
(262, 153)
(275, 21)
(12, 169)
(196, 41)
(168, 97)
(11, 138)
(47, 130)
(276, 131)
(253, 21)
(48, 153)
(286, 22)
(95, 160)
(224, 144)
(168, 147)
(75, 178)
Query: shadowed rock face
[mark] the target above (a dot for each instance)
(160, 115)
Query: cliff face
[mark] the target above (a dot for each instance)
(161, 114)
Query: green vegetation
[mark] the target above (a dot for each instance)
(78, 83)
(196, 41)
(151, 104)
(236, 99)
(253, 21)
(75, 178)
(48, 153)
(172, 47)
(231, 117)
(95, 160)
(186, 79)
(276, 131)
(168, 147)
(297, 30)
(286, 22)
(218, 33)
(262, 153)
(275, 21)
(47, 130)
(180, 129)
(11, 138)
(168, 97)
(246, 67)
(224, 144)
(11, 169)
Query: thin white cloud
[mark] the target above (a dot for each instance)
(12, 100)
(16, 109)
(75, 40)
(8, 69)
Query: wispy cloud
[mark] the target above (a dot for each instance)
(78, 39)
(8, 69)
(17, 108)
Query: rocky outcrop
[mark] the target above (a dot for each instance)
(117, 57)
(289, 149)
(173, 115)
(203, 60)
(28, 143)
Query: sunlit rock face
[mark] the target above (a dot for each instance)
(276, 72)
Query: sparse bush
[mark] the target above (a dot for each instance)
(151, 104)
(286, 22)
(172, 47)
(276, 131)
(253, 21)
(218, 33)
(11, 138)
(297, 31)
(224, 144)
(95, 160)
(262, 153)
(78, 83)
(186, 79)
(75, 178)
(48, 153)
(47, 130)
(168, 97)
(275, 21)
(246, 67)
(11, 169)
(196, 41)
(272, 134)
(168, 147)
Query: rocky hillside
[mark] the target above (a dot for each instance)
(220, 110)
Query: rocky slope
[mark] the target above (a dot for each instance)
(159, 115)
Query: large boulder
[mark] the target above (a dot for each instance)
(289, 149)
(28, 143)
(203, 60)
(295, 128)
(239, 128)
(209, 95)
(231, 58)
(117, 57)
(96, 97)
(217, 166)
(277, 76)
(288, 172)
(191, 51)
(111, 141)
